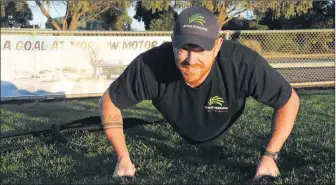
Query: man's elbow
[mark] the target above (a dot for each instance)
(101, 101)
(295, 100)
(293, 103)
(100, 104)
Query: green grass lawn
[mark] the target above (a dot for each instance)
(160, 155)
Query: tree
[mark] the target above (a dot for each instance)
(80, 11)
(255, 25)
(320, 16)
(149, 12)
(15, 14)
(164, 23)
(115, 19)
(226, 10)
(123, 22)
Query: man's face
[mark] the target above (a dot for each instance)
(194, 62)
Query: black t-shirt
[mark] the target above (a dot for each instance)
(202, 114)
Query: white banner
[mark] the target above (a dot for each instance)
(66, 65)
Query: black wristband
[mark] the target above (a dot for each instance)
(273, 155)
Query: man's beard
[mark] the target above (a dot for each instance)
(193, 73)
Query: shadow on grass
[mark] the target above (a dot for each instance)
(217, 159)
(28, 118)
(192, 157)
(214, 156)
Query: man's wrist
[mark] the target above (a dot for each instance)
(273, 155)
(123, 155)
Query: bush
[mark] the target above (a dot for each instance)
(69, 69)
(315, 42)
(278, 42)
(286, 43)
(252, 44)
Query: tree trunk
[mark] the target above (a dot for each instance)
(65, 24)
(3, 12)
(9, 24)
(95, 76)
(225, 20)
(45, 13)
(222, 17)
(65, 21)
(74, 21)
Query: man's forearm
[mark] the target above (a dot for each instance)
(113, 129)
(117, 139)
(112, 123)
(283, 122)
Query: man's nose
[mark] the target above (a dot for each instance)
(192, 59)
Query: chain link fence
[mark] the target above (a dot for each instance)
(304, 57)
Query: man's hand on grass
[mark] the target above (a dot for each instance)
(124, 167)
(266, 167)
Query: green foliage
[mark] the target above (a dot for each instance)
(286, 9)
(116, 70)
(80, 12)
(252, 44)
(123, 22)
(68, 69)
(156, 6)
(275, 42)
(295, 43)
(255, 25)
(165, 22)
(58, 20)
(224, 10)
(116, 19)
(320, 16)
(298, 43)
(324, 23)
(15, 14)
(322, 43)
(147, 14)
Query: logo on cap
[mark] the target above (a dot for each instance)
(198, 18)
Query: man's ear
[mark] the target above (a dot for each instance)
(218, 45)
(172, 37)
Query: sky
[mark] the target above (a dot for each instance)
(58, 9)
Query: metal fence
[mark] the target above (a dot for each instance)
(304, 57)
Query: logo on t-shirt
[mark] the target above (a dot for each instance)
(216, 104)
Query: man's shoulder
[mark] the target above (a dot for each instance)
(236, 53)
(235, 50)
(159, 62)
(158, 57)
(163, 51)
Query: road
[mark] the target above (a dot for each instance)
(300, 75)
(301, 60)
(305, 69)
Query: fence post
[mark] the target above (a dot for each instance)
(227, 35)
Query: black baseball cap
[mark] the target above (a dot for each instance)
(196, 25)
